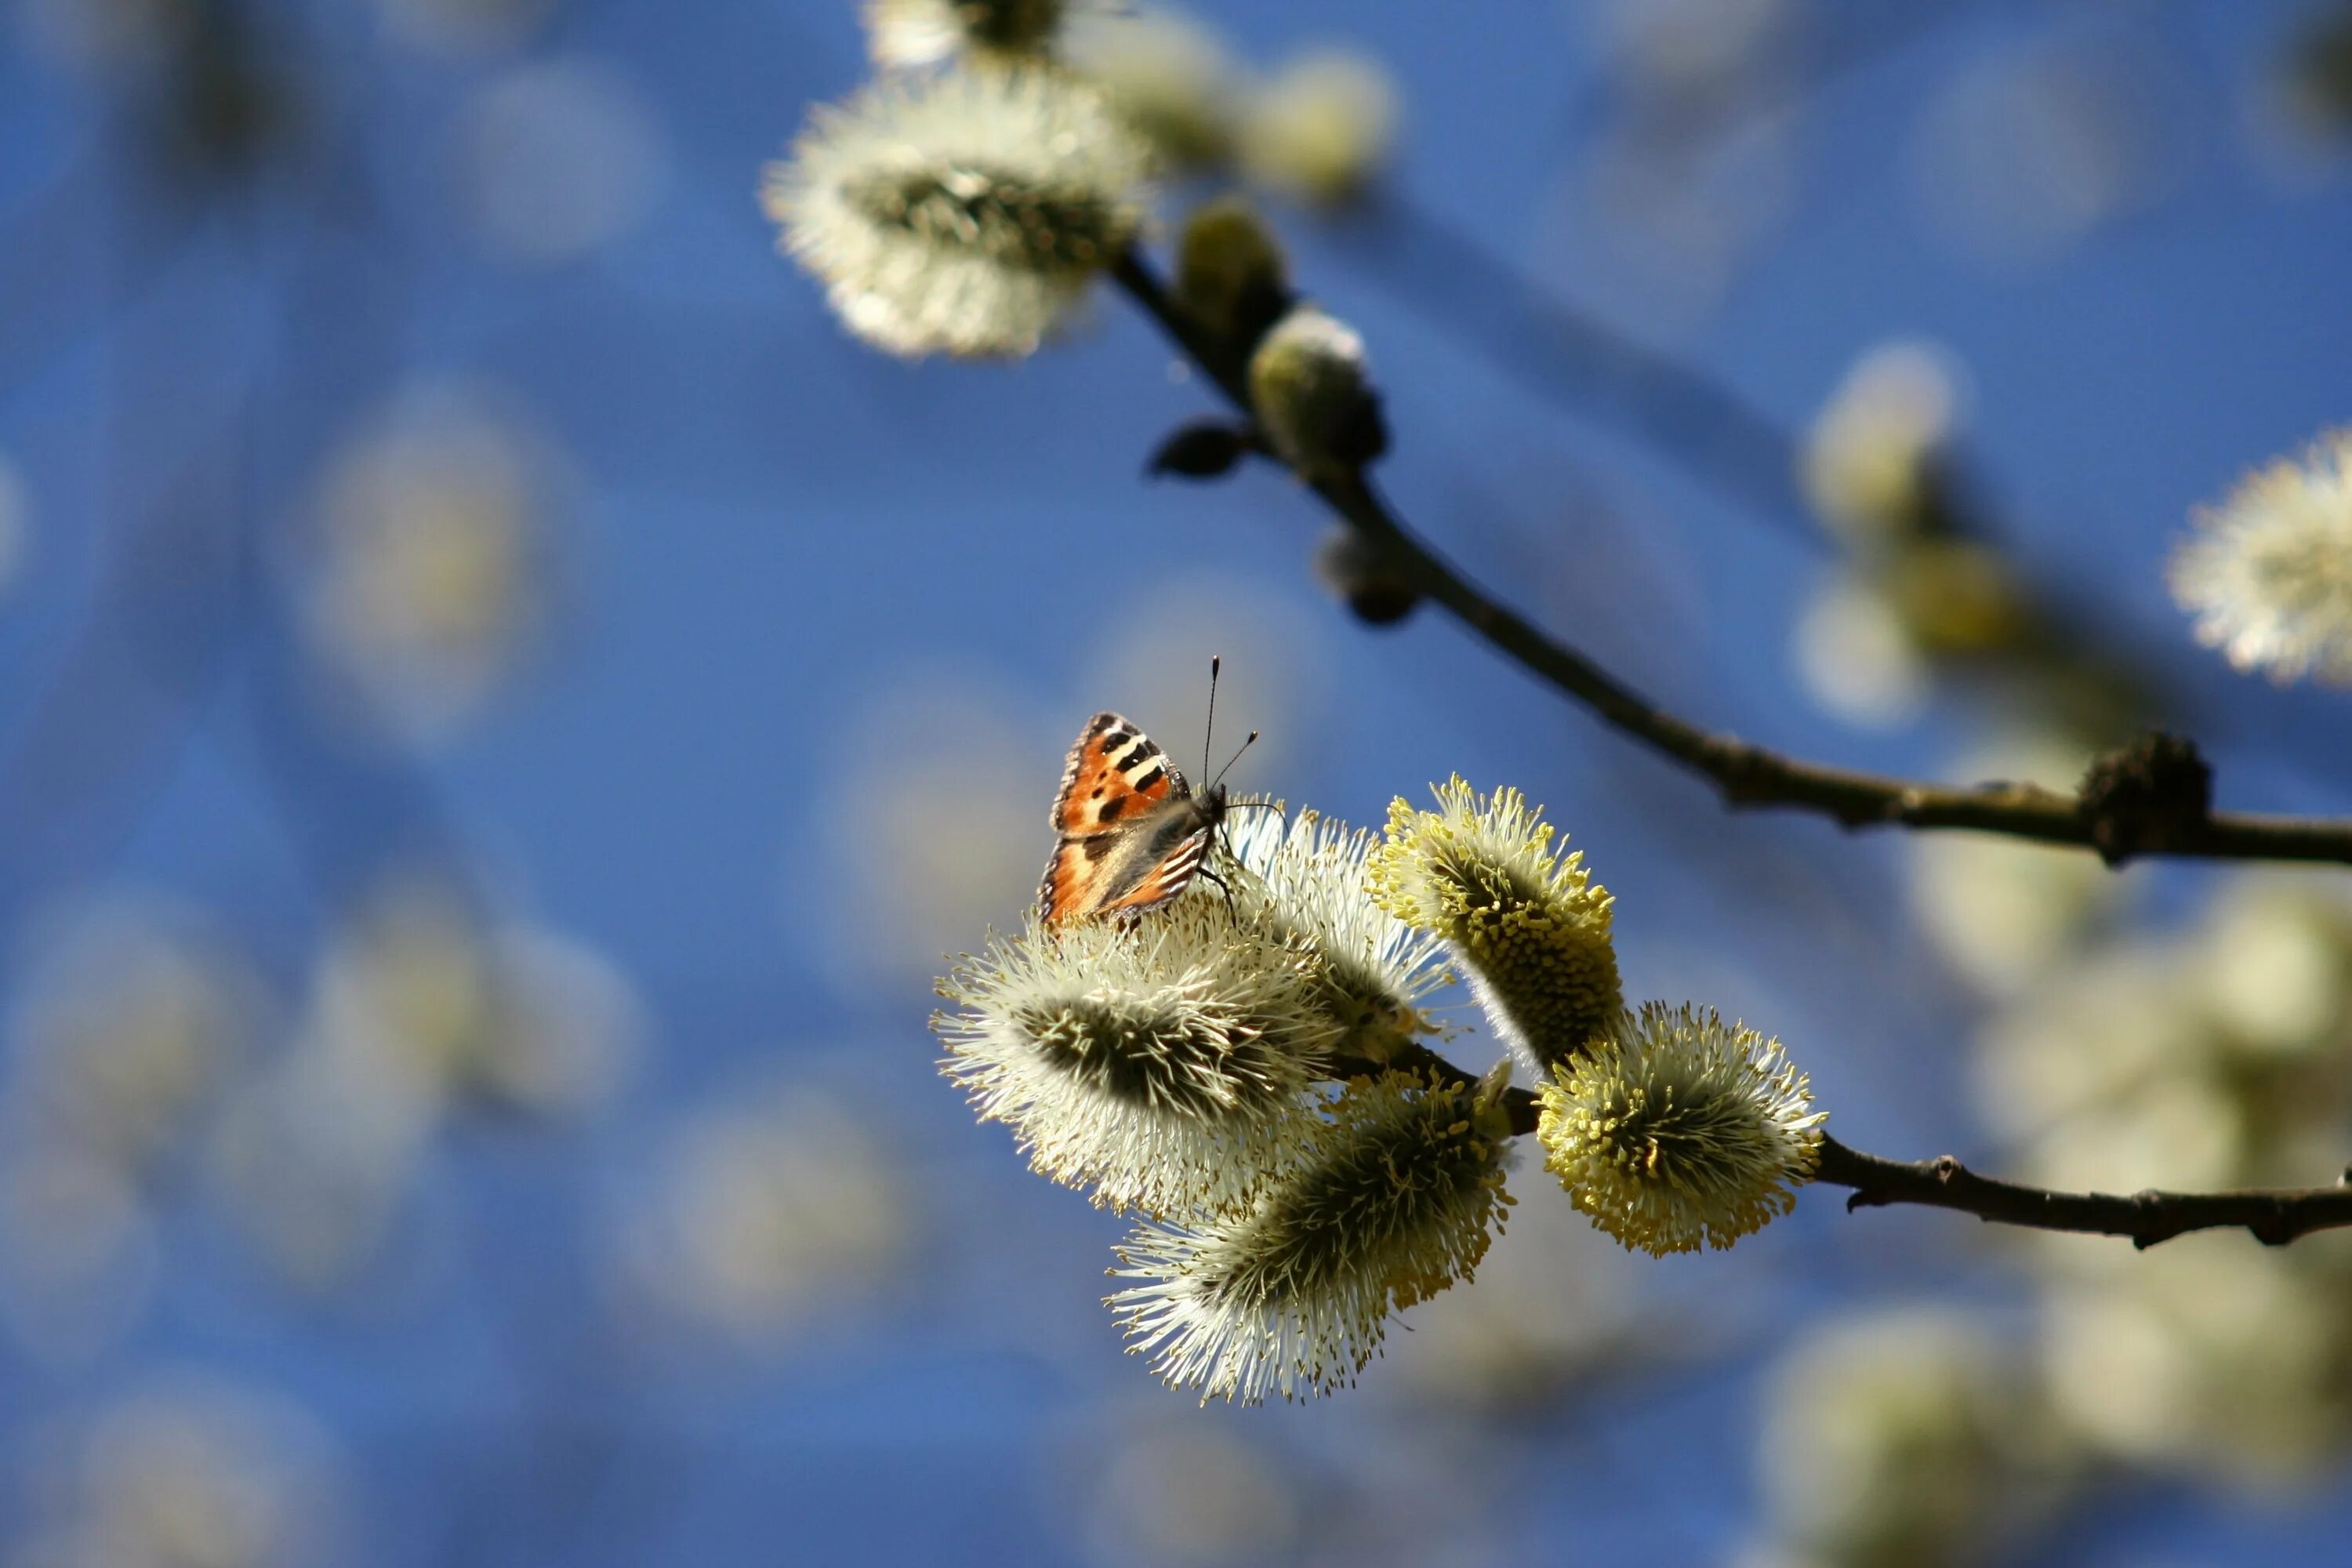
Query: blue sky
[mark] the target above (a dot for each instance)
(810, 615)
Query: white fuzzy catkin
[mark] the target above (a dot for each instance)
(1394, 1203)
(1161, 1063)
(963, 214)
(1308, 872)
(2268, 575)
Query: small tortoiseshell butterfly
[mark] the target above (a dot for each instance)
(1133, 833)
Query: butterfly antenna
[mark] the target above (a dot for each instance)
(1216, 661)
(1229, 766)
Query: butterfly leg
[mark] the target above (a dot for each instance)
(1224, 886)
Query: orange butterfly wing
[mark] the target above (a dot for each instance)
(1113, 774)
(1131, 834)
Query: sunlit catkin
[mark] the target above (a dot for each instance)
(1676, 1130)
(961, 214)
(1527, 923)
(1160, 1064)
(2269, 574)
(1394, 1203)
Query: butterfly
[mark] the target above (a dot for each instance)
(1132, 833)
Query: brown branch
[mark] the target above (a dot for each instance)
(1559, 352)
(1744, 774)
(2275, 1215)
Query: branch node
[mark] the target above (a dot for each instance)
(2154, 793)
(1739, 769)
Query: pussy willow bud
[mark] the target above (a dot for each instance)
(1312, 396)
(1230, 271)
(1367, 577)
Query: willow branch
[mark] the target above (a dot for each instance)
(1566, 355)
(1745, 774)
(2274, 1215)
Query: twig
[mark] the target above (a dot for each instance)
(1562, 354)
(1745, 774)
(1832, 56)
(2275, 1215)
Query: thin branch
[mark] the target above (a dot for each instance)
(1745, 774)
(2275, 1215)
(1562, 354)
(1830, 56)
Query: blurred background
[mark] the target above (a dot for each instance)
(504, 708)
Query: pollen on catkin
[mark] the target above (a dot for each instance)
(961, 214)
(1303, 877)
(2268, 575)
(1676, 1130)
(1528, 924)
(1162, 1064)
(1395, 1201)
